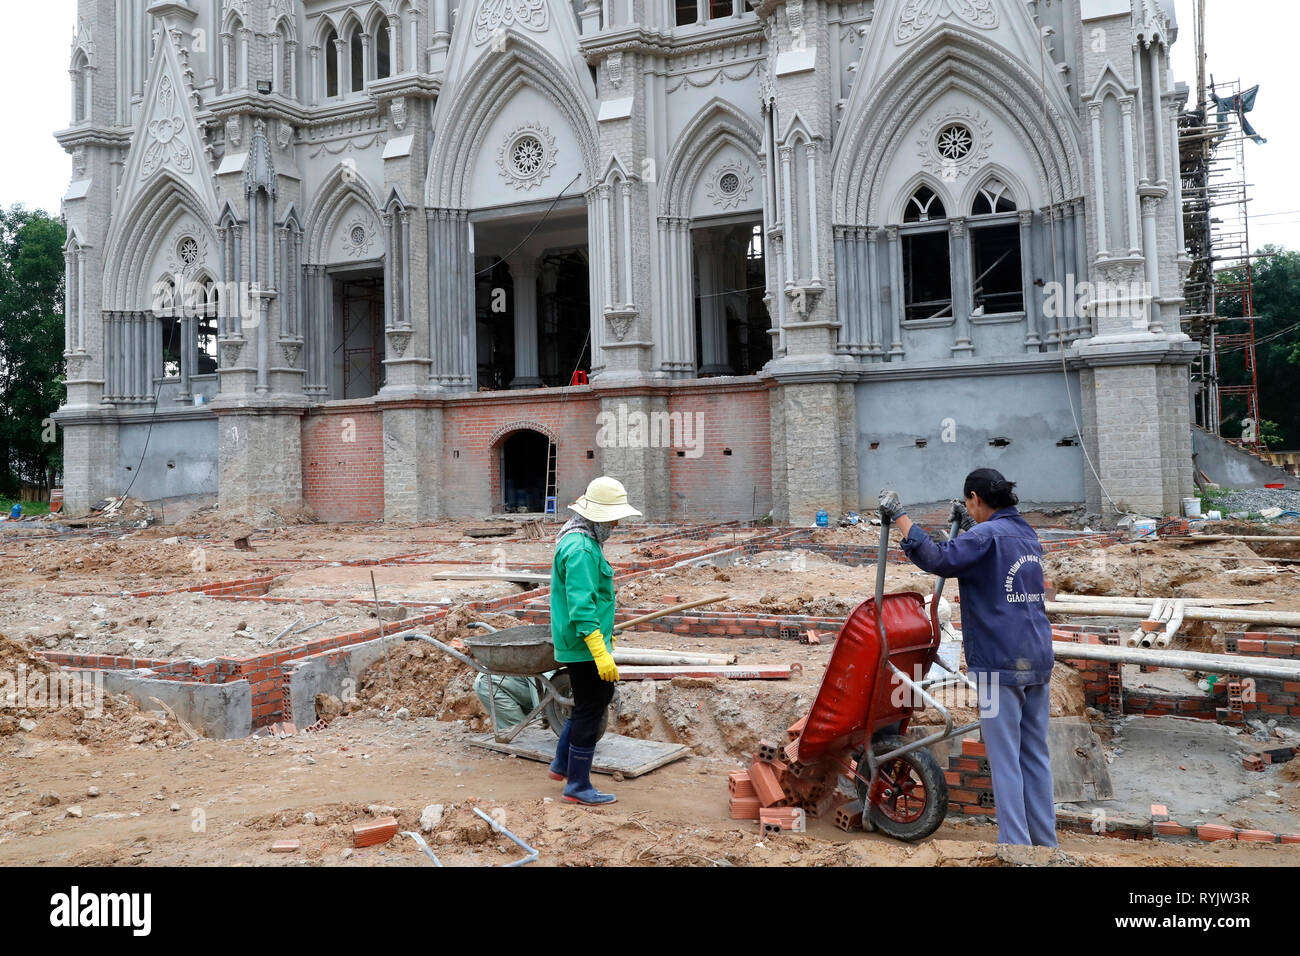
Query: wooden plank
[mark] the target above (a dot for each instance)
(615, 753)
(730, 672)
(1077, 761)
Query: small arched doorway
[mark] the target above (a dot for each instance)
(526, 470)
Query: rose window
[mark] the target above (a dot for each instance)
(954, 142)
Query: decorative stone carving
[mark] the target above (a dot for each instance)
(397, 110)
(614, 67)
(230, 349)
(494, 14)
(955, 143)
(284, 134)
(398, 339)
(187, 251)
(165, 135)
(291, 348)
(620, 323)
(233, 131)
(358, 237)
(730, 184)
(527, 155)
(79, 162)
(918, 16)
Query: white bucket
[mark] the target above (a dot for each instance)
(1146, 528)
(1192, 507)
(1213, 516)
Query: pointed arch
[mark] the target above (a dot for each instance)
(953, 59)
(338, 192)
(717, 124)
(1019, 192)
(464, 117)
(139, 235)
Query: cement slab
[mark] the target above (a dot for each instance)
(629, 756)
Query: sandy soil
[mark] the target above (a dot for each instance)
(162, 796)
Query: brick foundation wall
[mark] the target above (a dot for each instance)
(716, 485)
(474, 429)
(343, 463)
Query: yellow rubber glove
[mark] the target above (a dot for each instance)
(605, 666)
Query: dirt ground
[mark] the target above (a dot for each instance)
(132, 786)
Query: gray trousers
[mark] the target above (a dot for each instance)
(1014, 727)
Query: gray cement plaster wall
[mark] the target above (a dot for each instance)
(317, 675)
(219, 711)
(958, 417)
(180, 460)
(1229, 466)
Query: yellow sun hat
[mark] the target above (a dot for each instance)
(605, 500)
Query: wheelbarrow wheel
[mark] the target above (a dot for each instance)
(556, 714)
(912, 795)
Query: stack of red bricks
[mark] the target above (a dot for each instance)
(780, 792)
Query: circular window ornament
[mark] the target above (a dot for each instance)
(358, 235)
(357, 240)
(187, 250)
(729, 184)
(954, 142)
(527, 156)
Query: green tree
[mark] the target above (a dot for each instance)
(31, 346)
(1276, 287)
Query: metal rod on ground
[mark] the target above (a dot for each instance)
(496, 825)
(379, 617)
(295, 621)
(655, 615)
(1222, 614)
(304, 630)
(1257, 667)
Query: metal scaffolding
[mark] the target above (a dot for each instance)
(1216, 223)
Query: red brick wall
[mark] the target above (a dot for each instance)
(475, 426)
(343, 480)
(717, 486)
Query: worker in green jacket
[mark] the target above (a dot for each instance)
(582, 628)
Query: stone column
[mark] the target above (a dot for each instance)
(959, 270)
(1033, 295)
(895, 272)
(713, 324)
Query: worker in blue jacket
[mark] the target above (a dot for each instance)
(997, 561)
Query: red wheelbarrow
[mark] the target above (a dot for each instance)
(873, 686)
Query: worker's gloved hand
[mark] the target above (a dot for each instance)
(605, 666)
(891, 507)
(959, 513)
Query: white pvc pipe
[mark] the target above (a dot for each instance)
(1165, 638)
(1228, 615)
(1190, 602)
(1257, 667)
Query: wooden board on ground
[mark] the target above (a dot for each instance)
(629, 756)
(1077, 761)
(500, 532)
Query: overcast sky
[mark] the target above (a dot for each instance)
(1259, 48)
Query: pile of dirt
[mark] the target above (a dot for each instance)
(425, 681)
(1291, 770)
(39, 702)
(1066, 694)
(1146, 569)
(714, 717)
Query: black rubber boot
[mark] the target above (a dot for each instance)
(560, 765)
(579, 788)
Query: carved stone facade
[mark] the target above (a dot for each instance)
(875, 211)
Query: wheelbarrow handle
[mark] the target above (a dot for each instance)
(655, 615)
(463, 658)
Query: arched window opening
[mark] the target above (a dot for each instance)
(332, 64)
(996, 275)
(358, 64)
(923, 206)
(994, 197)
(383, 52)
(205, 327)
(526, 471)
(927, 279)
